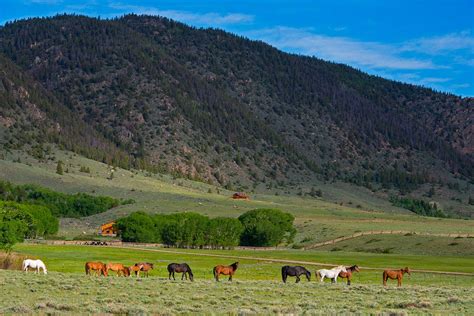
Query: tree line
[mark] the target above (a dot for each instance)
(419, 207)
(260, 227)
(60, 204)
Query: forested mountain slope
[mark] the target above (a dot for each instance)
(221, 108)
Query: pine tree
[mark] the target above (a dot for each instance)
(59, 168)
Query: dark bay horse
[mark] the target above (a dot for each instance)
(294, 271)
(225, 270)
(180, 268)
(395, 274)
(348, 274)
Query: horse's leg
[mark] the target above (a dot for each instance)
(173, 276)
(230, 277)
(399, 280)
(169, 276)
(348, 280)
(297, 279)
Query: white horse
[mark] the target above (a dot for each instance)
(34, 264)
(330, 274)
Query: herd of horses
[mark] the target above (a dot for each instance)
(102, 269)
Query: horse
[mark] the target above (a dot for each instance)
(348, 275)
(180, 267)
(119, 268)
(330, 274)
(145, 267)
(135, 268)
(34, 264)
(225, 270)
(395, 274)
(99, 267)
(294, 271)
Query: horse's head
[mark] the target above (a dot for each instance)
(308, 275)
(235, 265)
(191, 276)
(406, 270)
(356, 268)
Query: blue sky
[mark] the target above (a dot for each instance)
(430, 43)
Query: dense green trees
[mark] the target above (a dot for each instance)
(60, 204)
(265, 227)
(19, 221)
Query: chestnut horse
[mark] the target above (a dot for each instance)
(348, 274)
(145, 267)
(135, 268)
(99, 267)
(395, 274)
(119, 268)
(225, 270)
(180, 268)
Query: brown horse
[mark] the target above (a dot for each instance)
(99, 267)
(135, 268)
(348, 274)
(145, 267)
(395, 274)
(119, 268)
(225, 270)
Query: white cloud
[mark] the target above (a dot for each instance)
(49, 2)
(372, 55)
(208, 19)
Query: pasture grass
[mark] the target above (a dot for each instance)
(71, 259)
(70, 293)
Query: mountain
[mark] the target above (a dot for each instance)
(151, 92)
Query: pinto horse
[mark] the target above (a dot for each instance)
(330, 274)
(395, 274)
(294, 271)
(348, 275)
(119, 268)
(99, 267)
(180, 268)
(34, 264)
(225, 270)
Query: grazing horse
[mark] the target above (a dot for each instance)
(395, 274)
(145, 267)
(294, 271)
(348, 275)
(180, 267)
(135, 268)
(330, 274)
(225, 270)
(119, 268)
(99, 267)
(34, 264)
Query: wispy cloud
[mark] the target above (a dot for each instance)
(208, 19)
(48, 2)
(340, 49)
(442, 44)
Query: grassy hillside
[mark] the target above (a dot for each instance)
(209, 105)
(347, 210)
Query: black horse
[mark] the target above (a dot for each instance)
(294, 271)
(180, 268)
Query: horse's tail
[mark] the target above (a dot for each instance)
(283, 274)
(23, 265)
(214, 271)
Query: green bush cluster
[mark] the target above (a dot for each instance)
(60, 204)
(265, 227)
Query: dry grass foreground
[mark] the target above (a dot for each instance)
(74, 293)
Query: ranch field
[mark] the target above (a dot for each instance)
(257, 286)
